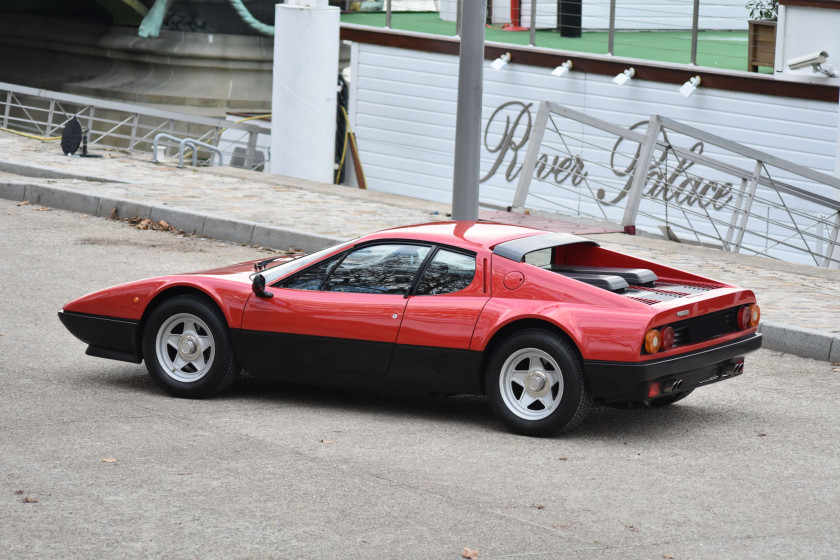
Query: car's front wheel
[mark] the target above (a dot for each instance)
(187, 347)
(534, 383)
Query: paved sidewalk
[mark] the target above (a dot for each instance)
(800, 304)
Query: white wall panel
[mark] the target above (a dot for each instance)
(405, 125)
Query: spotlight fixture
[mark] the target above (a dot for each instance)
(688, 88)
(500, 62)
(624, 77)
(562, 70)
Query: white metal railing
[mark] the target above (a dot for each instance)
(687, 183)
(44, 113)
(615, 17)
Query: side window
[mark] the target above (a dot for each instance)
(448, 272)
(541, 258)
(312, 277)
(377, 269)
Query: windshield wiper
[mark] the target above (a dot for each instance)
(262, 264)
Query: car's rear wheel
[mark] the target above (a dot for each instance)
(187, 347)
(535, 384)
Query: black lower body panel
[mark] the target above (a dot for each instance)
(107, 337)
(447, 370)
(308, 358)
(612, 382)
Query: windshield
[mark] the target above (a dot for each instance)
(273, 273)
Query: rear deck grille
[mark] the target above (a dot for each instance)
(705, 327)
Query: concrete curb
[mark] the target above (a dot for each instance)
(203, 225)
(799, 341)
(37, 171)
(802, 342)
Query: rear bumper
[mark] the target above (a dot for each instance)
(628, 382)
(107, 337)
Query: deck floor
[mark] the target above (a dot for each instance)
(715, 49)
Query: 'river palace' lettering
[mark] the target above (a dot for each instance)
(662, 182)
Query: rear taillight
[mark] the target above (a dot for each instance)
(748, 316)
(667, 338)
(653, 340)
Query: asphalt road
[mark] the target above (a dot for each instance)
(96, 462)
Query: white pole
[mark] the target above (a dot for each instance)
(303, 100)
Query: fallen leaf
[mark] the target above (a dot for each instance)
(538, 506)
(469, 553)
(632, 528)
(837, 369)
(28, 500)
(563, 458)
(113, 215)
(326, 441)
(761, 435)
(668, 556)
(24, 203)
(163, 224)
(109, 460)
(43, 209)
(18, 492)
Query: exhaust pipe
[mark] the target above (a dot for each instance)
(672, 385)
(733, 368)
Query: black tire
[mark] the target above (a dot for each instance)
(553, 372)
(670, 399)
(187, 348)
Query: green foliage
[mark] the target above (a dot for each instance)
(763, 9)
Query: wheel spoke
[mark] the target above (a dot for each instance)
(547, 400)
(179, 362)
(518, 377)
(199, 362)
(205, 342)
(526, 399)
(172, 340)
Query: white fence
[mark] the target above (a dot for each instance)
(687, 183)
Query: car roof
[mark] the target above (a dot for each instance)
(459, 233)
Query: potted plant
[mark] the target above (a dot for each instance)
(762, 33)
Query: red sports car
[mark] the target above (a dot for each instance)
(544, 324)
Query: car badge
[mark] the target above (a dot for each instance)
(682, 313)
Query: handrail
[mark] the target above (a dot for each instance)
(182, 143)
(195, 144)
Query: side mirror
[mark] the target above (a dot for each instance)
(258, 287)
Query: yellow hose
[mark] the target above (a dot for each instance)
(347, 132)
(34, 137)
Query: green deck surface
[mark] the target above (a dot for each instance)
(715, 49)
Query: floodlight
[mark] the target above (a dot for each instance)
(688, 88)
(500, 62)
(624, 77)
(563, 69)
